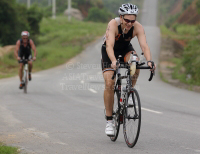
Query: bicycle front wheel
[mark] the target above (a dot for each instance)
(116, 113)
(132, 118)
(25, 82)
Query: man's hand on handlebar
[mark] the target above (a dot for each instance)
(18, 58)
(114, 65)
(149, 63)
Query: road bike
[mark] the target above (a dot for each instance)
(25, 74)
(127, 105)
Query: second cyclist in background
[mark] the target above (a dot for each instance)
(23, 51)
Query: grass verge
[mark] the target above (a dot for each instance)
(8, 149)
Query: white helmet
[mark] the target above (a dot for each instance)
(25, 33)
(128, 9)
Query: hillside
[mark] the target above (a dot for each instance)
(190, 15)
(176, 8)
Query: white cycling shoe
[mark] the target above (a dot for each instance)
(110, 129)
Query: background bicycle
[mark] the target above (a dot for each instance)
(25, 74)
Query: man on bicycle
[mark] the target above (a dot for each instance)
(23, 51)
(117, 39)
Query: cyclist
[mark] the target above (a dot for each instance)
(117, 39)
(23, 50)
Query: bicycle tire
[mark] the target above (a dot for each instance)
(116, 113)
(25, 82)
(132, 117)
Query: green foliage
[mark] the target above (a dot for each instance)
(198, 6)
(186, 3)
(47, 11)
(191, 60)
(7, 149)
(8, 22)
(60, 40)
(171, 20)
(99, 15)
(183, 29)
(34, 16)
(15, 18)
(164, 8)
(22, 21)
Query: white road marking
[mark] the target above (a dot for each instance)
(82, 81)
(157, 112)
(92, 90)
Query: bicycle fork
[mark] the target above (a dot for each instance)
(25, 72)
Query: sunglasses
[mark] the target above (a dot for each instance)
(127, 20)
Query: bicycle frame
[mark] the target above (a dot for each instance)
(25, 62)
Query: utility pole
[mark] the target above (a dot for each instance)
(28, 3)
(69, 10)
(54, 9)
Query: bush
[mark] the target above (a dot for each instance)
(186, 3)
(198, 6)
(99, 15)
(191, 60)
(171, 20)
(34, 16)
(8, 22)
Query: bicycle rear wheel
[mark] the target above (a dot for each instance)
(116, 112)
(132, 119)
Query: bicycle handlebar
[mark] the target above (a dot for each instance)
(138, 66)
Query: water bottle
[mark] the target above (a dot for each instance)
(133, 65)
(141, 58)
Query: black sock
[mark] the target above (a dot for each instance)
(109, 118)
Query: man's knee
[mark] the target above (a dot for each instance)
(109, 85)
(30, 62)
(136, 75)
(21, 67)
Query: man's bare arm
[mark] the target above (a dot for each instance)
(143, 42)
(17, 49)
(33, 47)
(110, 39)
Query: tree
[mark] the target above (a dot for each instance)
(8, 22)
(34, 16)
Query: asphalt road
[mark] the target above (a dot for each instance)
(63, 111)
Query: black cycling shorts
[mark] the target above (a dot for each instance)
(106, 62)
(25, 55)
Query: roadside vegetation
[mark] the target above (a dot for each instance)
(56, 40)
(180, 22)
(8, 149)
(60, 40)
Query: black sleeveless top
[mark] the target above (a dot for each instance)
(26, 49)
(122, 40)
